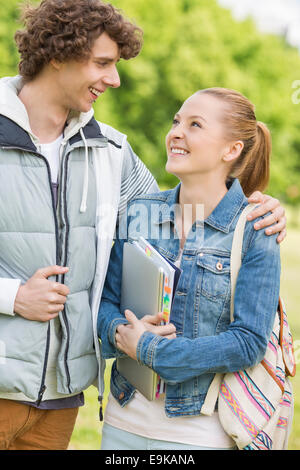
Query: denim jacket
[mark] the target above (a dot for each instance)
(206, 341)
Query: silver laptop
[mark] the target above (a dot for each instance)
(142, 292)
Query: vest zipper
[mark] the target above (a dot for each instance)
(43, 387)
(64, 199)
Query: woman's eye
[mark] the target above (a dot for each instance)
(175, 121)
(196, 124)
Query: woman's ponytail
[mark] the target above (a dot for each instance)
(253, 170)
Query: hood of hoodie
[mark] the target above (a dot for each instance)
(12, 108)
(81, 128)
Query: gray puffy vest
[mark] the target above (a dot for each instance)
(34, 234)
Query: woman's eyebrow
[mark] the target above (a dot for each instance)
(196, 116)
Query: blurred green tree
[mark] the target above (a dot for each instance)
(189, 45)
(8, 25)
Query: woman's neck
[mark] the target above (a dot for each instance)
(201, 194)
(197, 201)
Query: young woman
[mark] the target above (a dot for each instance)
(220, 153)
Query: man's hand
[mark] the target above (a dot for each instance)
(268, 204)
(127, 336)
(40, 299)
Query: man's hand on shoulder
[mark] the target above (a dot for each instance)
(275, 222)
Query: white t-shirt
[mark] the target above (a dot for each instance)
(147, 418)
(51, 152)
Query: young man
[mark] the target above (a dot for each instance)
(64, 178)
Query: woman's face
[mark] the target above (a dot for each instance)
(196, 142)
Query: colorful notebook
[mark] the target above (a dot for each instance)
(148, 285)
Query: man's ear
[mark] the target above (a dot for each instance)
(55, 64)
(233, 151)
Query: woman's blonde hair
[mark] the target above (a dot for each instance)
(252, 167)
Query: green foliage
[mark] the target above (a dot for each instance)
(189, 45)
(8, 25)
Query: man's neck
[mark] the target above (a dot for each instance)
(47, 118)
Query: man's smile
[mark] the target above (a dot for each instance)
(96, 93)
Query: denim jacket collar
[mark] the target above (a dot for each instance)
(222, 216)
(226, 211)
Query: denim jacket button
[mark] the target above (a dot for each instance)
(121, 396)
(219, 266)
(201, 254)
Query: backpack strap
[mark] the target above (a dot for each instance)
(209, 404)
(236, 253)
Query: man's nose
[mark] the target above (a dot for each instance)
(113, 79)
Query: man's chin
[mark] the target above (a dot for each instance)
(83, 109)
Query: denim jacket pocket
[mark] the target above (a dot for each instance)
(120, 388)
(215, 275)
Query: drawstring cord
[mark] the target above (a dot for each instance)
(61, 151)
(83, 209)
(86, 175)
(100, 408)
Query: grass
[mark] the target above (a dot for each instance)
(290, 291)
(87, 433)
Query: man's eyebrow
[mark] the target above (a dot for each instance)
(196, 116)
(106, 58)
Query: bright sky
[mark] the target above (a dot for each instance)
(274, 16)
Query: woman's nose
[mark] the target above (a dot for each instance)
(177, 132)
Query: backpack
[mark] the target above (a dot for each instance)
(256, 405)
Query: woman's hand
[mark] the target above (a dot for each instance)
(269, 204)
(154, 324)
(127, 336)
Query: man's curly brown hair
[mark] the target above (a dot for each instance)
(66, 30)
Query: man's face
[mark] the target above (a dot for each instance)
(81, 83)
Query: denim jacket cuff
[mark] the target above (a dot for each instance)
(113, 329)
(145, 350)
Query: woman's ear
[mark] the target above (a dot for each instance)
(233, 151)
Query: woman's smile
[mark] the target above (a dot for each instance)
(178, 151)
